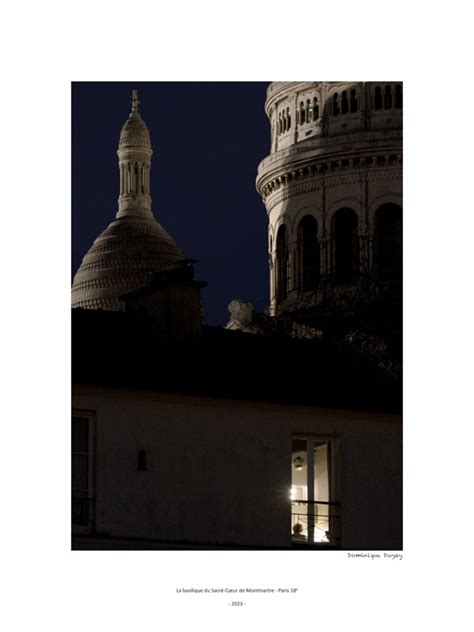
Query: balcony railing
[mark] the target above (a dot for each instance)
(315, 522)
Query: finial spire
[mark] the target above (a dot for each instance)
(135, 101)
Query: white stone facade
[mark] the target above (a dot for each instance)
(332, 185)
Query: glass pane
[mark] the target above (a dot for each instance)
(80, 471)
(80, 434)
(299, 490)
(321, 491)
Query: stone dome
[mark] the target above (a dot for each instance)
(134, 245)
(120, 260)
(134, 133)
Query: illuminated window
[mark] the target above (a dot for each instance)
(315, 510)
(82, 472)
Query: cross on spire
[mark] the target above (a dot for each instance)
(135, 101)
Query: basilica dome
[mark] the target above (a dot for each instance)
(135, 244)
(120, 260)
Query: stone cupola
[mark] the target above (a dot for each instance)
(134, 245)
(134, 154)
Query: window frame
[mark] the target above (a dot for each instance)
(91, 491)
(334, 491)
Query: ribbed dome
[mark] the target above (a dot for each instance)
(120, 260)
(134, 132)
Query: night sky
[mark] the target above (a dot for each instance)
(207, 139)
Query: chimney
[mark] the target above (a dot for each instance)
(170, 305)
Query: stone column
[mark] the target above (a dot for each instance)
(364, 260)
(292, 280)
(368, 258)
(371, 250)
(271, 271)
(296, 118)
(323, 256)
(325, 263)
(332, 256)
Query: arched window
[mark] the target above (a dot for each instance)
(308, 111)
(345, 242)
(281, 264)
(378, 98)
(344, 103)
(398, 96)
(388, 242)
(285, 124)
(335, 104)
(279, 123)
(388, 98)
(302, 113)
(315, 109)
(308, 270)
(288, 118)
(353, 101)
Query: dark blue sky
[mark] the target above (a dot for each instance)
(207, 139)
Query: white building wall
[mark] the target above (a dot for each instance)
(220, 472)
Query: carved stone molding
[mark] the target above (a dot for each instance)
(332, 174)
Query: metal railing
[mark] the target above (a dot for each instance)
(315, 522)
